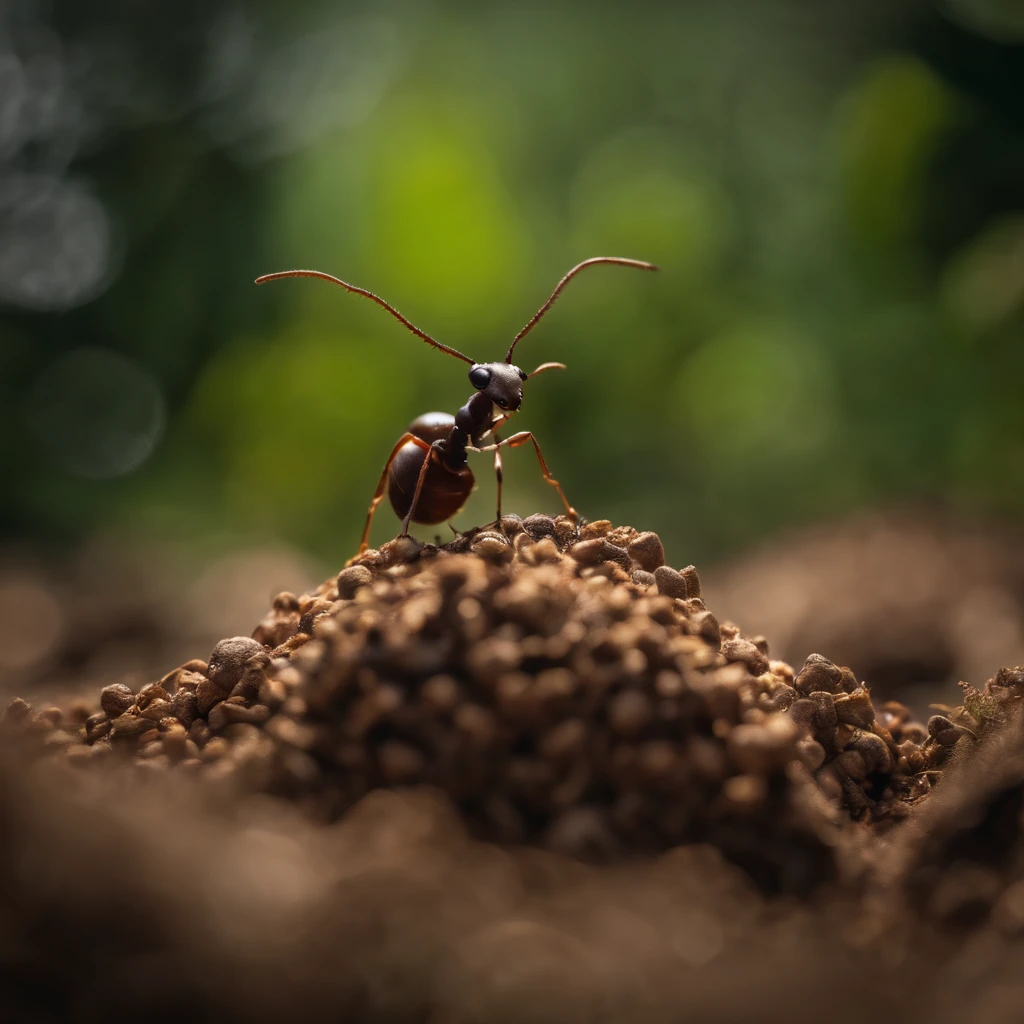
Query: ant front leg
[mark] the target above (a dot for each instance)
(520, 439)
(498, 473)
(378, 494)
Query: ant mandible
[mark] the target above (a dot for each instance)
(427, 474)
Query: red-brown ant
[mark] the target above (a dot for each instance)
(427, 474)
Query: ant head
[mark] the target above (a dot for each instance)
(502, 383)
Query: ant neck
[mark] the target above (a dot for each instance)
(472, 421)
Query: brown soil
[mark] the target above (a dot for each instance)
(528, 775)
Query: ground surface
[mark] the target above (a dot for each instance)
(526, 776)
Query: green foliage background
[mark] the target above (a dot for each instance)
(835, 193)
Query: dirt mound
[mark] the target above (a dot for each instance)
(561, 685)
(382, 806)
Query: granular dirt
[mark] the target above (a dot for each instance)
(542, 687)
(562, 685)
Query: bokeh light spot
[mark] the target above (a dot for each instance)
(55, 242)
(888, 129)
(96, 413)
(639, 193)
(268, 100)
(1002, 20)
(757, 393)
(984, 283)
(294, 464)
(446, 225)
(31, 621)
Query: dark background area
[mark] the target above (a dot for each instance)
(834, 192)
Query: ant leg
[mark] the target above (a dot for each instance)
(379, 493)
(499, 475)
(416, 493)
(520, 439)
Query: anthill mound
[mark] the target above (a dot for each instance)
(560, 684)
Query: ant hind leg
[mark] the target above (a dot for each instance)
(382, 484)
(416, 493)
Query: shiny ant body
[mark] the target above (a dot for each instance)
(427, 475)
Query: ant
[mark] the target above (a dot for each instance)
(427, 474)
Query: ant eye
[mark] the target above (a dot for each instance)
(522, 376)
(479, 377)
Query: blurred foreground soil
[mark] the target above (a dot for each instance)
(526, 776)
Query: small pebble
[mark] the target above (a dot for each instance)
(692, 581)
(539, 525)
(818, 673)
(647, 551)
(670, 583)
(353, 578)
(493, 547)
(744, 651)
(229, 658)
(207, 695)
(596, 529)
(116, 699)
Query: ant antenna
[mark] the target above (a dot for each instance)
(639, 264)
(376, 298)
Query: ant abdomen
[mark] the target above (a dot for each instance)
(444, 490)
(432, 426)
